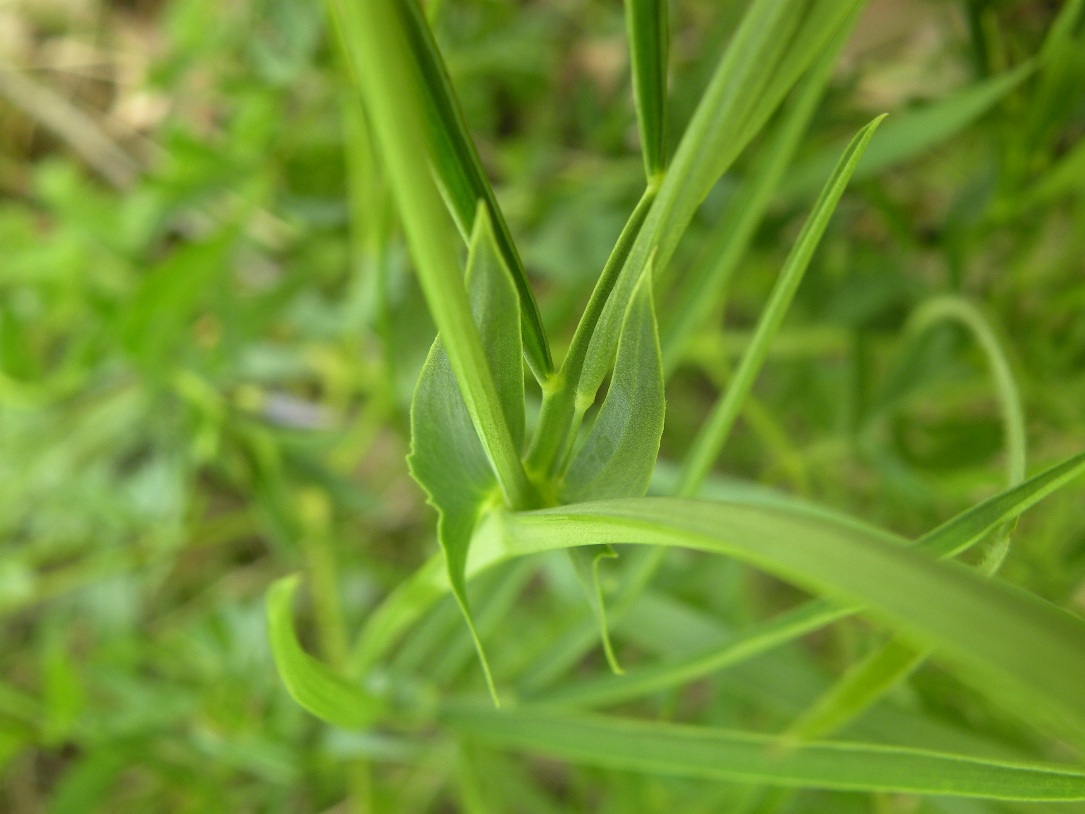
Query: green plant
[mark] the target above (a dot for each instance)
(501, 496)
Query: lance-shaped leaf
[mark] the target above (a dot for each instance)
(310, 682)
(647, 26)
(999, 637)
(619, 453)
(447, 458)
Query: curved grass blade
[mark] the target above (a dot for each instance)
(411, 599)
(458, 169)
(895, 660)
(586, 563)
(647, 27)
(911, 133)
(726, 755)
(447, 458)
(998, 637)
(701, 290)
(310, 682)
(710, 440)
(949, 539)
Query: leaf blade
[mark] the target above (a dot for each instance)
(647, 28)
(724, 755)
(987, 629)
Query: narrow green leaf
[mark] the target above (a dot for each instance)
(647, 25)
(775, 43)
(711, 438)
(949, 539)
(726, 755)
(892, 662)
(1001, 638)
(447, 459)
(410, 600)
(702, 288)
(393, 90)
(619, 453)
(310, 682)
(864, 683)
(455, 161)
(557, 421)
(911, 133)
(586, 563)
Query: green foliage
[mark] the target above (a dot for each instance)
(231, 235)
(447, 458)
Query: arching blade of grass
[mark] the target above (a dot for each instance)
(394, 93)
(309, 681)
(706, 446)
(647, 26)
(725, 755)
(408, 602)
(911, 133)
(949, 539)
(999, 638)
(895, 660)
(452, 155)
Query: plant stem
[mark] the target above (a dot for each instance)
(317, 546)
(561, 414)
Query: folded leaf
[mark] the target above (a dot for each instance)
(619, 453)
(447, 459)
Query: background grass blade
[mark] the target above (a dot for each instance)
(702, 288)
(722, 755)
(310, 682)
(648, 30)
(711, 438)
(912, 133)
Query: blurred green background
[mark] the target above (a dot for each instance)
(203, 377)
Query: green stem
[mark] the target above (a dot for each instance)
(317, 546)
(379, 51)
(558, 418)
